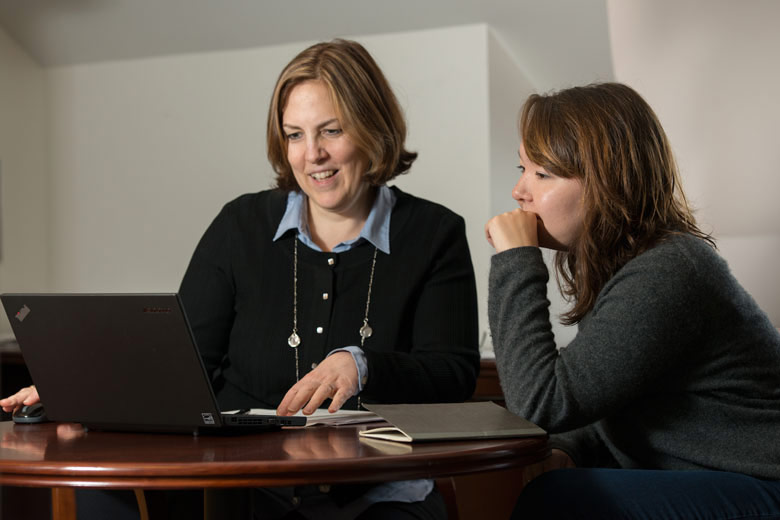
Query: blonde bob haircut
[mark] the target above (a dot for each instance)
(610, 139)
(367, 109)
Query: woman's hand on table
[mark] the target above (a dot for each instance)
(335, 378)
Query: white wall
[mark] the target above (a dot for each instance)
(710, 70)
(111, 171)
(24, 163)
(145, 152)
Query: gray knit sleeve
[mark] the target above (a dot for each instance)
(631, 337)
(675, 367)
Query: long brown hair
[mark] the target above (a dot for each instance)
(610, 139)
(366, 106)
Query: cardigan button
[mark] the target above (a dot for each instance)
(331, 261)
(319, 330)
(325, 296)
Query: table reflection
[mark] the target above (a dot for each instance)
(322, 443)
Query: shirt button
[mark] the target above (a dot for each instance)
(325, 296)
(324, 488)
(331, 261)
(319, 330)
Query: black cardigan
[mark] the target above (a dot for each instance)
(238, 296)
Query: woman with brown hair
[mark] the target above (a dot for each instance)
(333, 288)
(674, 366)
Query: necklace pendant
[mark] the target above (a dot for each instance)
(294, 340)
(366, 330)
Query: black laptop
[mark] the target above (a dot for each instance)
(122, 362)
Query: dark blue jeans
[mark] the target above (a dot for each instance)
(648, 494)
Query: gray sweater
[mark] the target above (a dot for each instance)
(676, 367)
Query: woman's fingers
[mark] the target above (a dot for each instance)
(334, 378)
(26, 396)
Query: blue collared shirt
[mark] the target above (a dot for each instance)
(376, 229)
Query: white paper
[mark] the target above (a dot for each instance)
(386, 433)
(322, 416)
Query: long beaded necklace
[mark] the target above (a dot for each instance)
(294, 340)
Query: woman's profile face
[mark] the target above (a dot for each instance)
(556, 201)
(327, 165)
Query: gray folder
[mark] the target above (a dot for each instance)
(449, 421)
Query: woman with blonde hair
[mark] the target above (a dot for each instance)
(333, 288)
(667, 401)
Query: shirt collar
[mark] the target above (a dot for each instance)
(376, 229)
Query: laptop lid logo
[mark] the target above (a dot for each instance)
(22, 313)
(207, 418)
(157, 310)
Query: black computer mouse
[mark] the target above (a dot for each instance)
(28, 414)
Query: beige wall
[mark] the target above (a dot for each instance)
(709, 68)
(24, 163)
(111, 171)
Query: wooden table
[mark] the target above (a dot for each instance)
(64, 456)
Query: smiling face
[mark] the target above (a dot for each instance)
(327, 165)
(557, 202)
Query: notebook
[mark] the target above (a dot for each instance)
(122, 362)
(448, 421)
